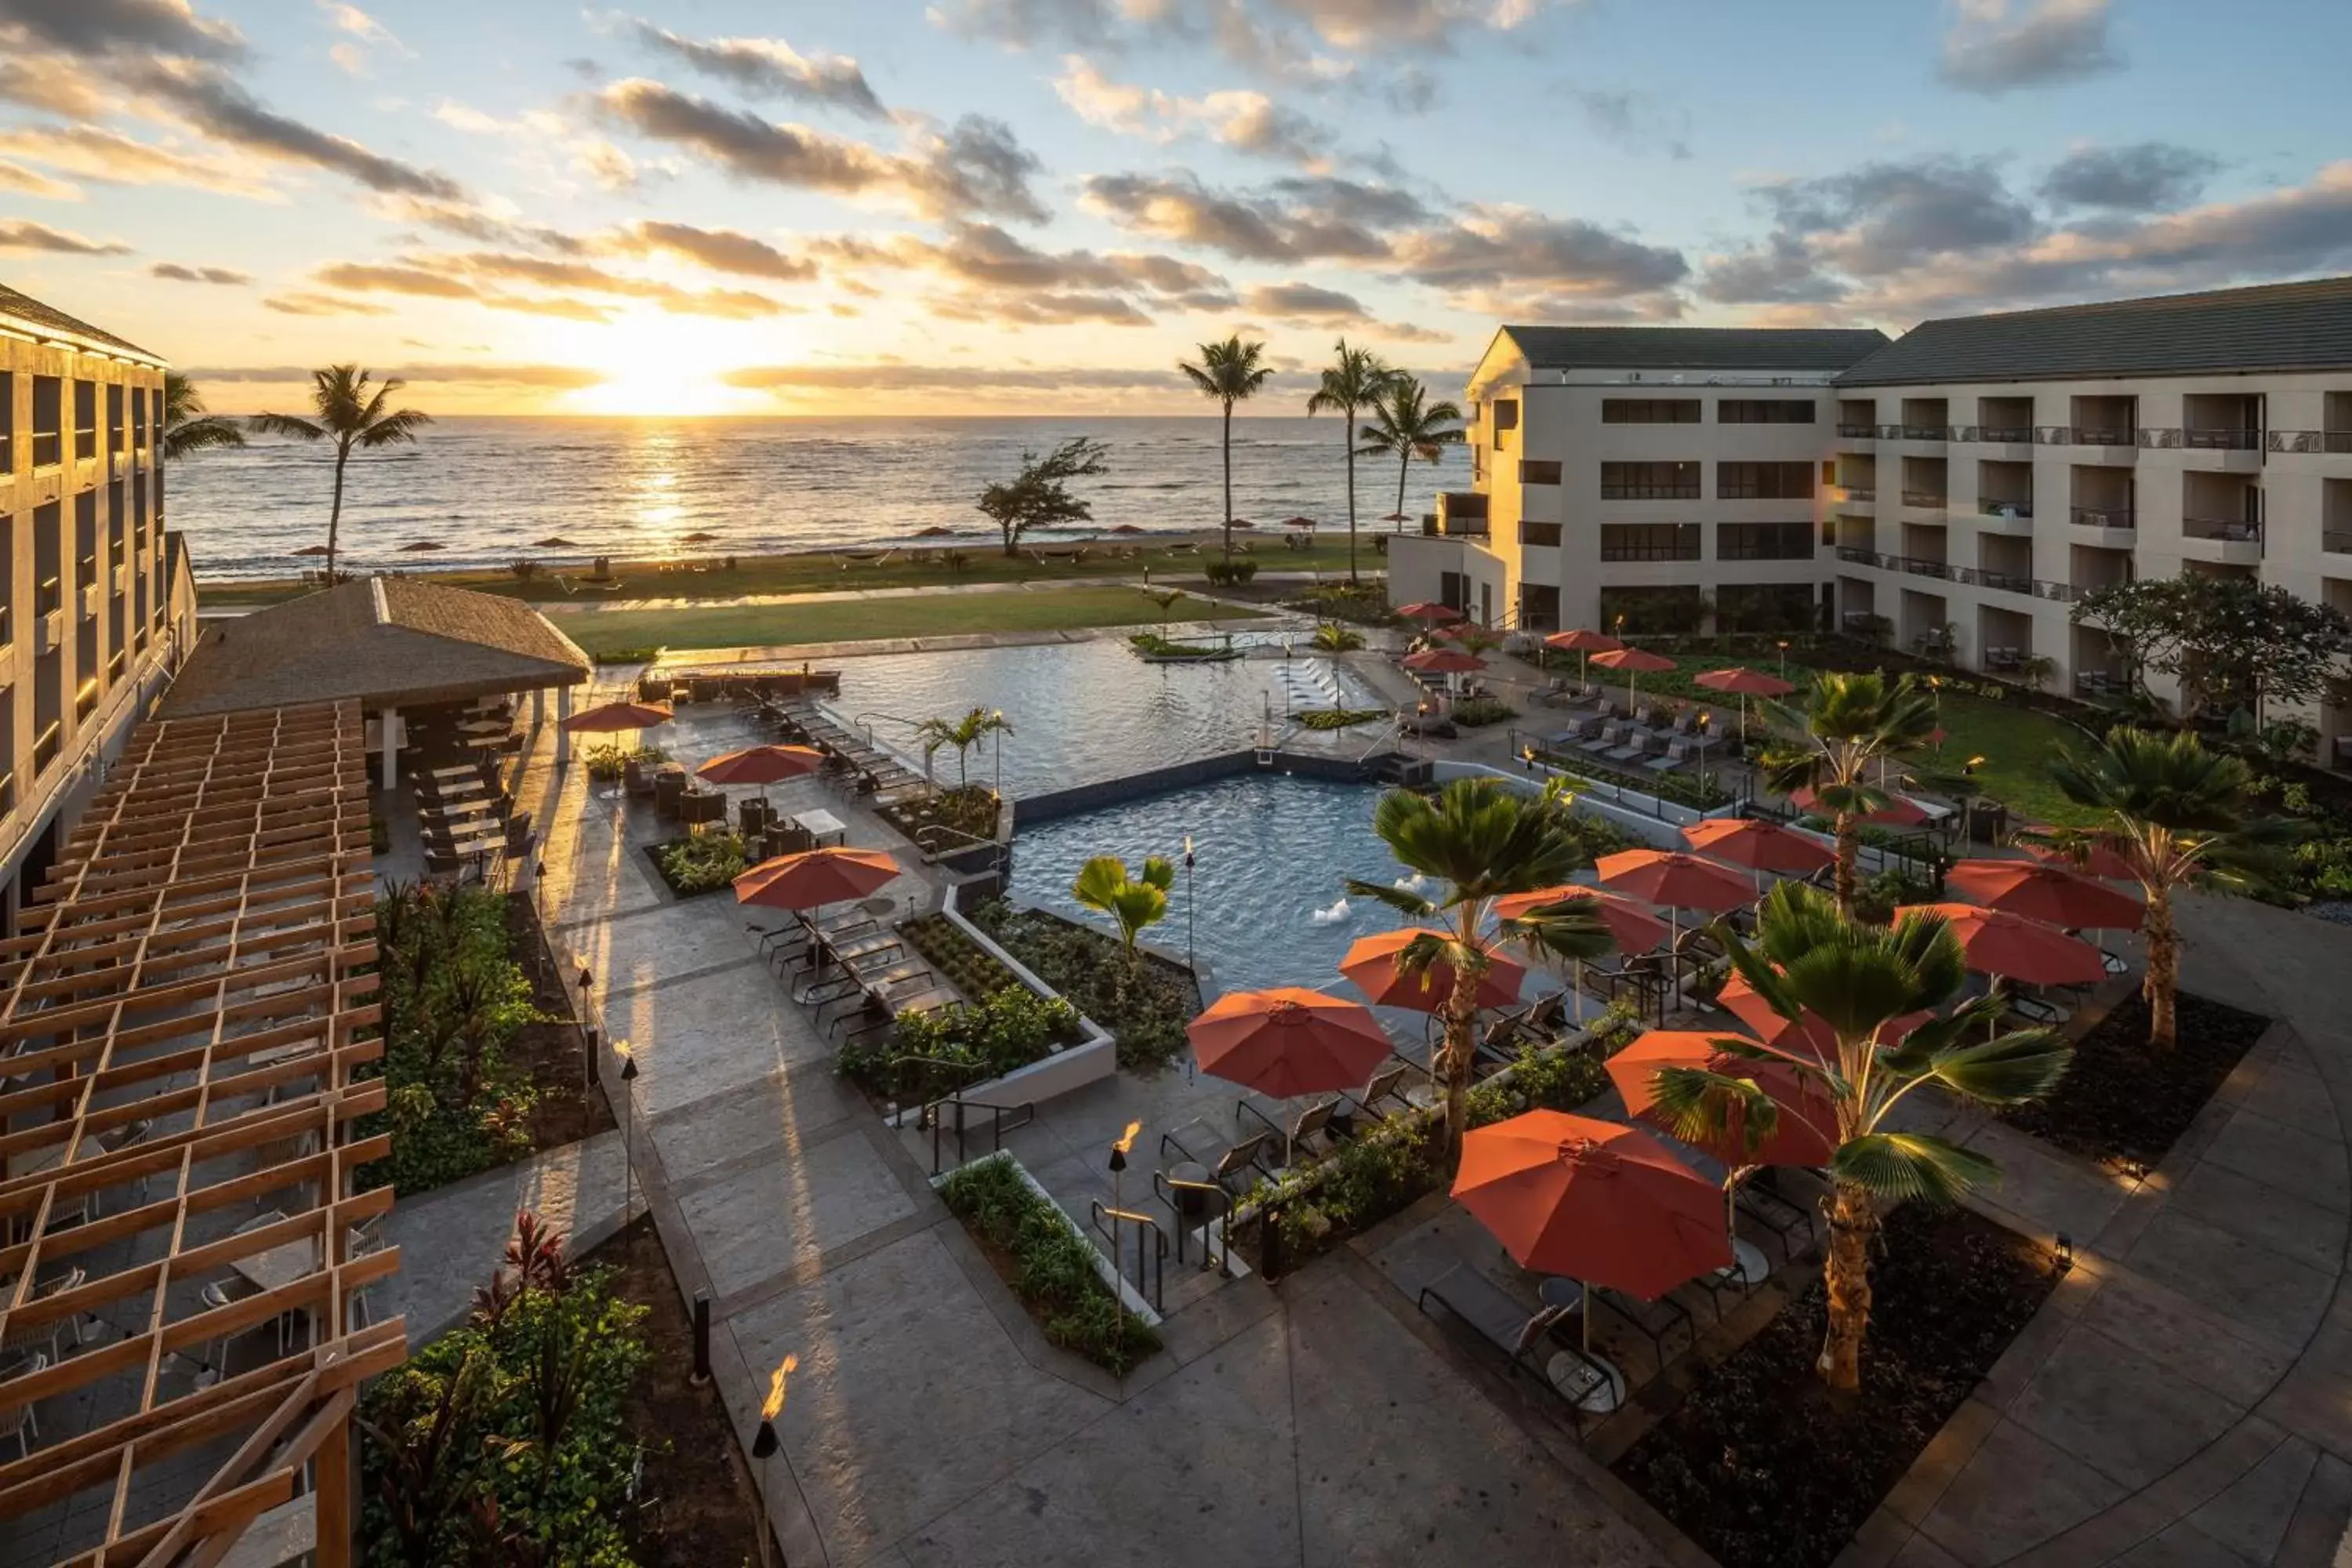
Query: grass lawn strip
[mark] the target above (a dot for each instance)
(931, 615)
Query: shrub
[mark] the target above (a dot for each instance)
(1154, 646)
(632, 655)
(1048, 1264)
(1231, 573)
(1340, 717)
(1145, 1007)
(1700, 792)
(702, 863)
(607, 761)
(1472, 712)
(924, 1055)
(524, 570)
(1332, 638)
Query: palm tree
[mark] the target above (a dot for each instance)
(1230, 373)
(1354, 382)
(2176, 814)
(963, 735)
(1483, 842)
(1850, 725)
(1811, 961)
(186, 427)
(1103, 885)
(345, 410)
(1405, 425)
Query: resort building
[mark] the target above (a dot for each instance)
(1954, 492)
(1655, 474)
(97, 605)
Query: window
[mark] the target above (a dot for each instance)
(1506, 414)
(138, 419)
(1539, 532)
(48, 421)
(85, 416)
(1764, 481)
(1764, 411)
(7, 423)
(1649, 481)
(1535, 471)
(1649, 411)
(113, 419)
(1649, 542)
(1764, 542)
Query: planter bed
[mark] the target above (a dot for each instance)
(551, 1049)
(1681, 789)
(1144, 1006)
(968, 812)
(1055, 1272)
(2122, 1102)
(1763, 1466)
(956, 958)
(712, 848)
(926, 1056)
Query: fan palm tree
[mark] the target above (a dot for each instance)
(2175, 812)
(1811, 961)
(1406, 426)
(1849, 726)
(1229, 373)
(186, 427)
(1482, 842)
(1132, 902)
(963, 735)
(352, 413)
(1353, 381)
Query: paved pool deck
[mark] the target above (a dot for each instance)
(2186, 1398)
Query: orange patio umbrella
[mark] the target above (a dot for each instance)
(2093, 858)
(2045, 892)
(1288, 1041)
(1747, 683)
(1760, 846)
(1584, 643)
(1598, 1201)
(1444, 661)
(611, 718)
(1635, 662)
(1806, 1039)
(1673, 880)
(1635, 929)
(761, 766)
(816, 877)
(2015, 948)
(1371, 964)
(1429, 610)
(1806, 1131)
(1900, 811)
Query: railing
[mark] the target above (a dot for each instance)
(1923, 432)
(1213, 1201)
(45, 750)
(1454, 528)
(2085, 435)
(1975, 576)
(1002, 1119)
(1857, 492)
(1150, 1265)
(2005, 509)
(2333, 543)
(2336, 441)
(2104, 516)
(1648, 989)
(2171, 438)
(1996, 432)
(1858, 432)
(1924, 498)
(2226, 529)
(85, 441)
(1651, 552)
(1650, 493)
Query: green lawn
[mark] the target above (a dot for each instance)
(983, 563)
(933, 615)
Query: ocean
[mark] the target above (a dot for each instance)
(483, 490)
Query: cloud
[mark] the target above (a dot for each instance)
(582, 152)
(419, 282)
(772, 68)
(2144, 176)
(1635, 121)
(95, 27)
(478, 277)
(474, 221)
(562, 377)
(1499, 259)
(99, 154)
(1304, 302)
(995, 276)
(718, 249)
(1245, 120)
(1282, 39)
(24, 233)
(1871, 221)
(976, 168)
(173, 272)
(26, 181)
(298, 303)
(1310, 218)
(211, 102)
(1994, 47)
(968, 380)
(367, 36)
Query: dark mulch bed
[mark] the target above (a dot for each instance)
(567, 1110)
(2120, 1101)
(697, 1508)
(1764, 1467)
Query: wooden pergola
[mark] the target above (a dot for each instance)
(180, 1038)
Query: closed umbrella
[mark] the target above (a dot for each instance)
(1584, 644)
(1288, 1041)
(1760, 846)
(1371, 964)
(1747, 683)
(2012, 947)
(2045, 892)
(1635, 662)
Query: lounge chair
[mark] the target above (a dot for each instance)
(1647, 716)
(1613, 735)
(1310, 1129)
(1578, 731)
(1506, 1326)
(1635, 745)
(1235, 1167)
(1677, 753)
(1386, 1087)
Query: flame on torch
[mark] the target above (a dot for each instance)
(622, 1050)
(774, 1404)
(1126, 1144)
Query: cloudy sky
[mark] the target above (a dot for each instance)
(1005, 206)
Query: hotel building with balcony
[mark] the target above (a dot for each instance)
(96, 606)
(1969, 482)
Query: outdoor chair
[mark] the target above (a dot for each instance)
(1677, 752)
(1647, 716)
(1577, 732)
(1310, 1129)
(1629, 747)
(45, 1336)
(17, 1420)
(1654, 1320)
(1611, 736)
(1235, 1167)
(1508, 1326)
(1385, 1086)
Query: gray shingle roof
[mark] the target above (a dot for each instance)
(1694, 348)
(2278, 326)
(33, 314)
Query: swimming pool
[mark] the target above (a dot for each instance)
(1269, 853)
(1087, 711)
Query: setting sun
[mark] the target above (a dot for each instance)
(657, 363)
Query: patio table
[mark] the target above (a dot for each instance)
(459, 810)
(821, 825)
(1587, 1381)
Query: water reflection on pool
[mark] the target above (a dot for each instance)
(1085, 712)
(1269, 854)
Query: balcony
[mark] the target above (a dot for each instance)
(1855, 497)
(1974, 576)
(2109, 526)
(1460, 514)
(2014, 517)
(86, 700)
(2231, 451)
(48, 597)
(2336, 543)
(1996, 435)
(1915, 432)
(1916, 566)
(1858, 432)
(2099, 443)
(2333, 443)
(1930, 500)
(2227, 542)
